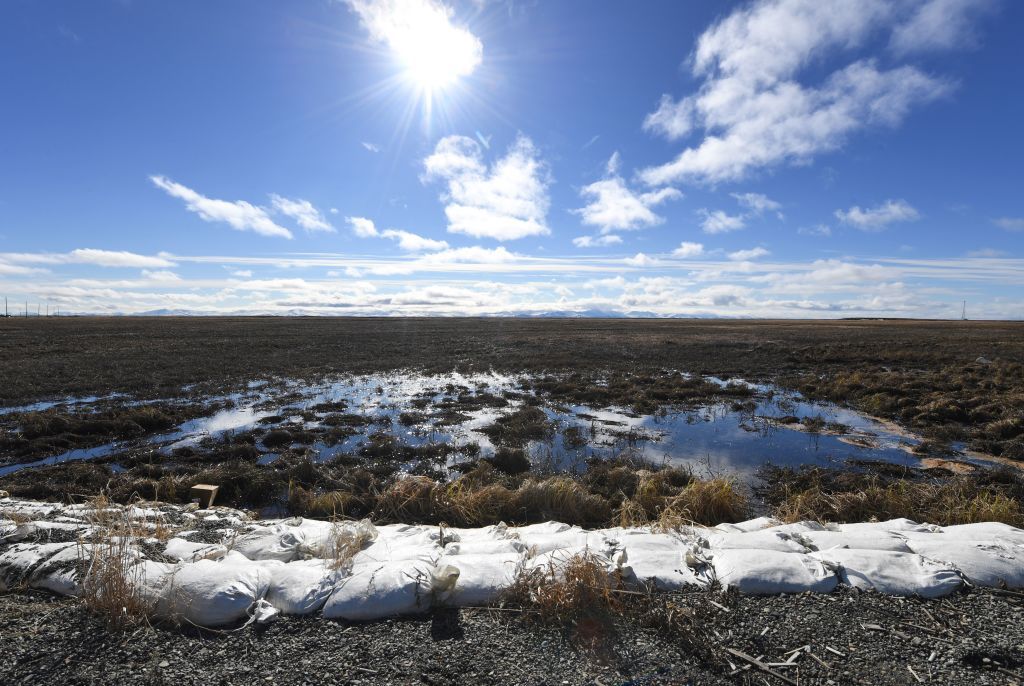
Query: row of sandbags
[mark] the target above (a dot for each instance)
(302, 566)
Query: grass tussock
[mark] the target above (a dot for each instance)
(878, 494)
(570, 592)
(109, 587)
(706, 502)
(345, 540)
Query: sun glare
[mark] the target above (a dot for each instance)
(434, 52)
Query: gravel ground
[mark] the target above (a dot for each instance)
(854, 638)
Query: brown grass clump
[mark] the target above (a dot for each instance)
(566, 593)
(559, 498)
(467, 505)
(327, 504)
(347, 539)
(108, 582)
(706, 502)
(959, 500)
(409, 499)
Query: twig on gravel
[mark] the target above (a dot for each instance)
(911, 670)
(760, 665)
(819, 660)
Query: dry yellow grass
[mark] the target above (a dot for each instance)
(956, 501)
(705, 502)
(561, 499)
(108, 582)
(566, 592)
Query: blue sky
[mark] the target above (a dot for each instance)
(783, 158)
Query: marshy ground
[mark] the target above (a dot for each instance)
(591, 422)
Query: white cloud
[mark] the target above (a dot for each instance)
(303, 212)
(751, 254)
(239, 215)
(718, 221)
(752, 107)
(877, 218)
(422, 36)
(412, 242)
(758, 203)
(817, 230)
(687, 249)
(672, 119)
(242, 273)
(614, 206)
(362, 227)
(596, 241)
(18, 270)
(371, 147)
(1010, 223)
(505, 202)
(408, 241)
(640, 260)
(474, 254)
(940, 25)
(987, 253)
(161, 275)
(93, 256)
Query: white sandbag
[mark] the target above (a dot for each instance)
(552, 536)
(983, 563)
(756, 524)
(488, 547)
(765, 572)
(62, 573)
(766, 539)
(335, 541)
(482, 577)
(278, 542)
(187, 551)
(892, 573)
(387, 590)
(44, 530)
(656, 559)
(854, 540)
(211, 594)
(899, 525)
(301, 587)
(18, 561)
(986, 531)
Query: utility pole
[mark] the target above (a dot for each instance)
(5, 308)
(963, 314)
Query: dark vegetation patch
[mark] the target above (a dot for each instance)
(528, 423)
(39, 434)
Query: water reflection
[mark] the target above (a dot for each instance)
(734, 437)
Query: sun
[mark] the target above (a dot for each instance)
(432, 51)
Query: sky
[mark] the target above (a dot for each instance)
(767, 158)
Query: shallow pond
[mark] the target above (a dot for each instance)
(731, 437)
